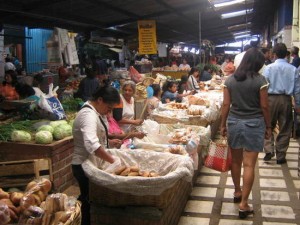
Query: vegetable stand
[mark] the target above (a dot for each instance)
(58, 153)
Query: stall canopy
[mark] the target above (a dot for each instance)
(177, 20)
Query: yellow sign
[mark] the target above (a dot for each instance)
(147, 37)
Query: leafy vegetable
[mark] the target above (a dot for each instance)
(46, 128)
(62, 131)
(43, 137)
(57, 123)
(7, 129)
(20, 136)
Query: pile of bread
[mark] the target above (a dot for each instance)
(181, 136)
(177, 149)
(34, 206)
(175, 105)
(194, 100)
(134, 171)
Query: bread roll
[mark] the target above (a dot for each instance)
(42, 195)
(37, 199)
(3, 194)
(15, 197)
(61, 216)
(133, 174)
(30, 185)
(153, 174)
(146, 174)
(125, 172)
(4, 214)
(45, 185)
(120, 170)
(27, 201)
(134, 169)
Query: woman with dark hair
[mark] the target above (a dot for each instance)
(87, 86)
(170, 92)
(193, 79)
(7, 89)
(90, 135)
(245, 110)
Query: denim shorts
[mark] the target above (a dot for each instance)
(248, 134)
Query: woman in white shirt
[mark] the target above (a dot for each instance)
(124, 112)
(90, 135)
(192, 83)
(184, 65)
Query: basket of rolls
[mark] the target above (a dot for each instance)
(138, 178)
(35, 206)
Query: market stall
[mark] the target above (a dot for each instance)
(152, 188)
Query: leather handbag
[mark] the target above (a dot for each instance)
(219, 157)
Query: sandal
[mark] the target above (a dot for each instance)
(243, 214)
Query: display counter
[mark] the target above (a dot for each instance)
(59, 155)
(173, 74)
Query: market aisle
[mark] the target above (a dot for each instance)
(274, 197)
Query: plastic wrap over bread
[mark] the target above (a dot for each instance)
(169, 167)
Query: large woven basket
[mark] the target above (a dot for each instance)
(75, 218)
(107, 197)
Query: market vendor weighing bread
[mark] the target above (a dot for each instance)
(90, 134)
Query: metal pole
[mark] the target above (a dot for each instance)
(200, 36)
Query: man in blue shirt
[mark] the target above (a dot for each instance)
(296, 59)
(283, 84)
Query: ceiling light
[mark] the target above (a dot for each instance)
(228, 3)
(242, 32)
(242, 36)
(237, 13)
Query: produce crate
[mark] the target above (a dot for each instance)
(19, 173)
(107, 197)
(60, 153)
(142, 215)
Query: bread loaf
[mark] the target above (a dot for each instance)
(125, 172)
(120, 170)
(3, 194)
(15, 197)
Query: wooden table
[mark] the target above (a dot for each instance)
(59, 154)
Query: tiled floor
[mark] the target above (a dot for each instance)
(274, 197)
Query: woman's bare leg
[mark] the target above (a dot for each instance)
(237, 159)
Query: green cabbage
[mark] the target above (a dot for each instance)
(62, 131)
(57, 123)
(20, 136)
(71, 122)
(43, 137)
(46, 128)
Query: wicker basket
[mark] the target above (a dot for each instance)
(75, 218)
(107, 197)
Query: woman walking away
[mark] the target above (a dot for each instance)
(245, 109)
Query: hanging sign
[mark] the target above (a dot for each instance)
(147, 37)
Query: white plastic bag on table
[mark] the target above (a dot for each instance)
(192, 150)
(51, 104)
(170, 167)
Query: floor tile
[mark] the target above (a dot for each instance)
(292, 164)
(293, 144)
(235, 222)
(292, 156)
(207, 170)
(294, 173)
(272, 183)
(269, 164)
(275, 211)
(208, 180)
(198, 206)
(274, 223)
(297, 184)
(229, 181)
(271, 172)
(228, 193)
(230, 209)
(274, 196)
(188, 220)
(293, 150)
(204, 192)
